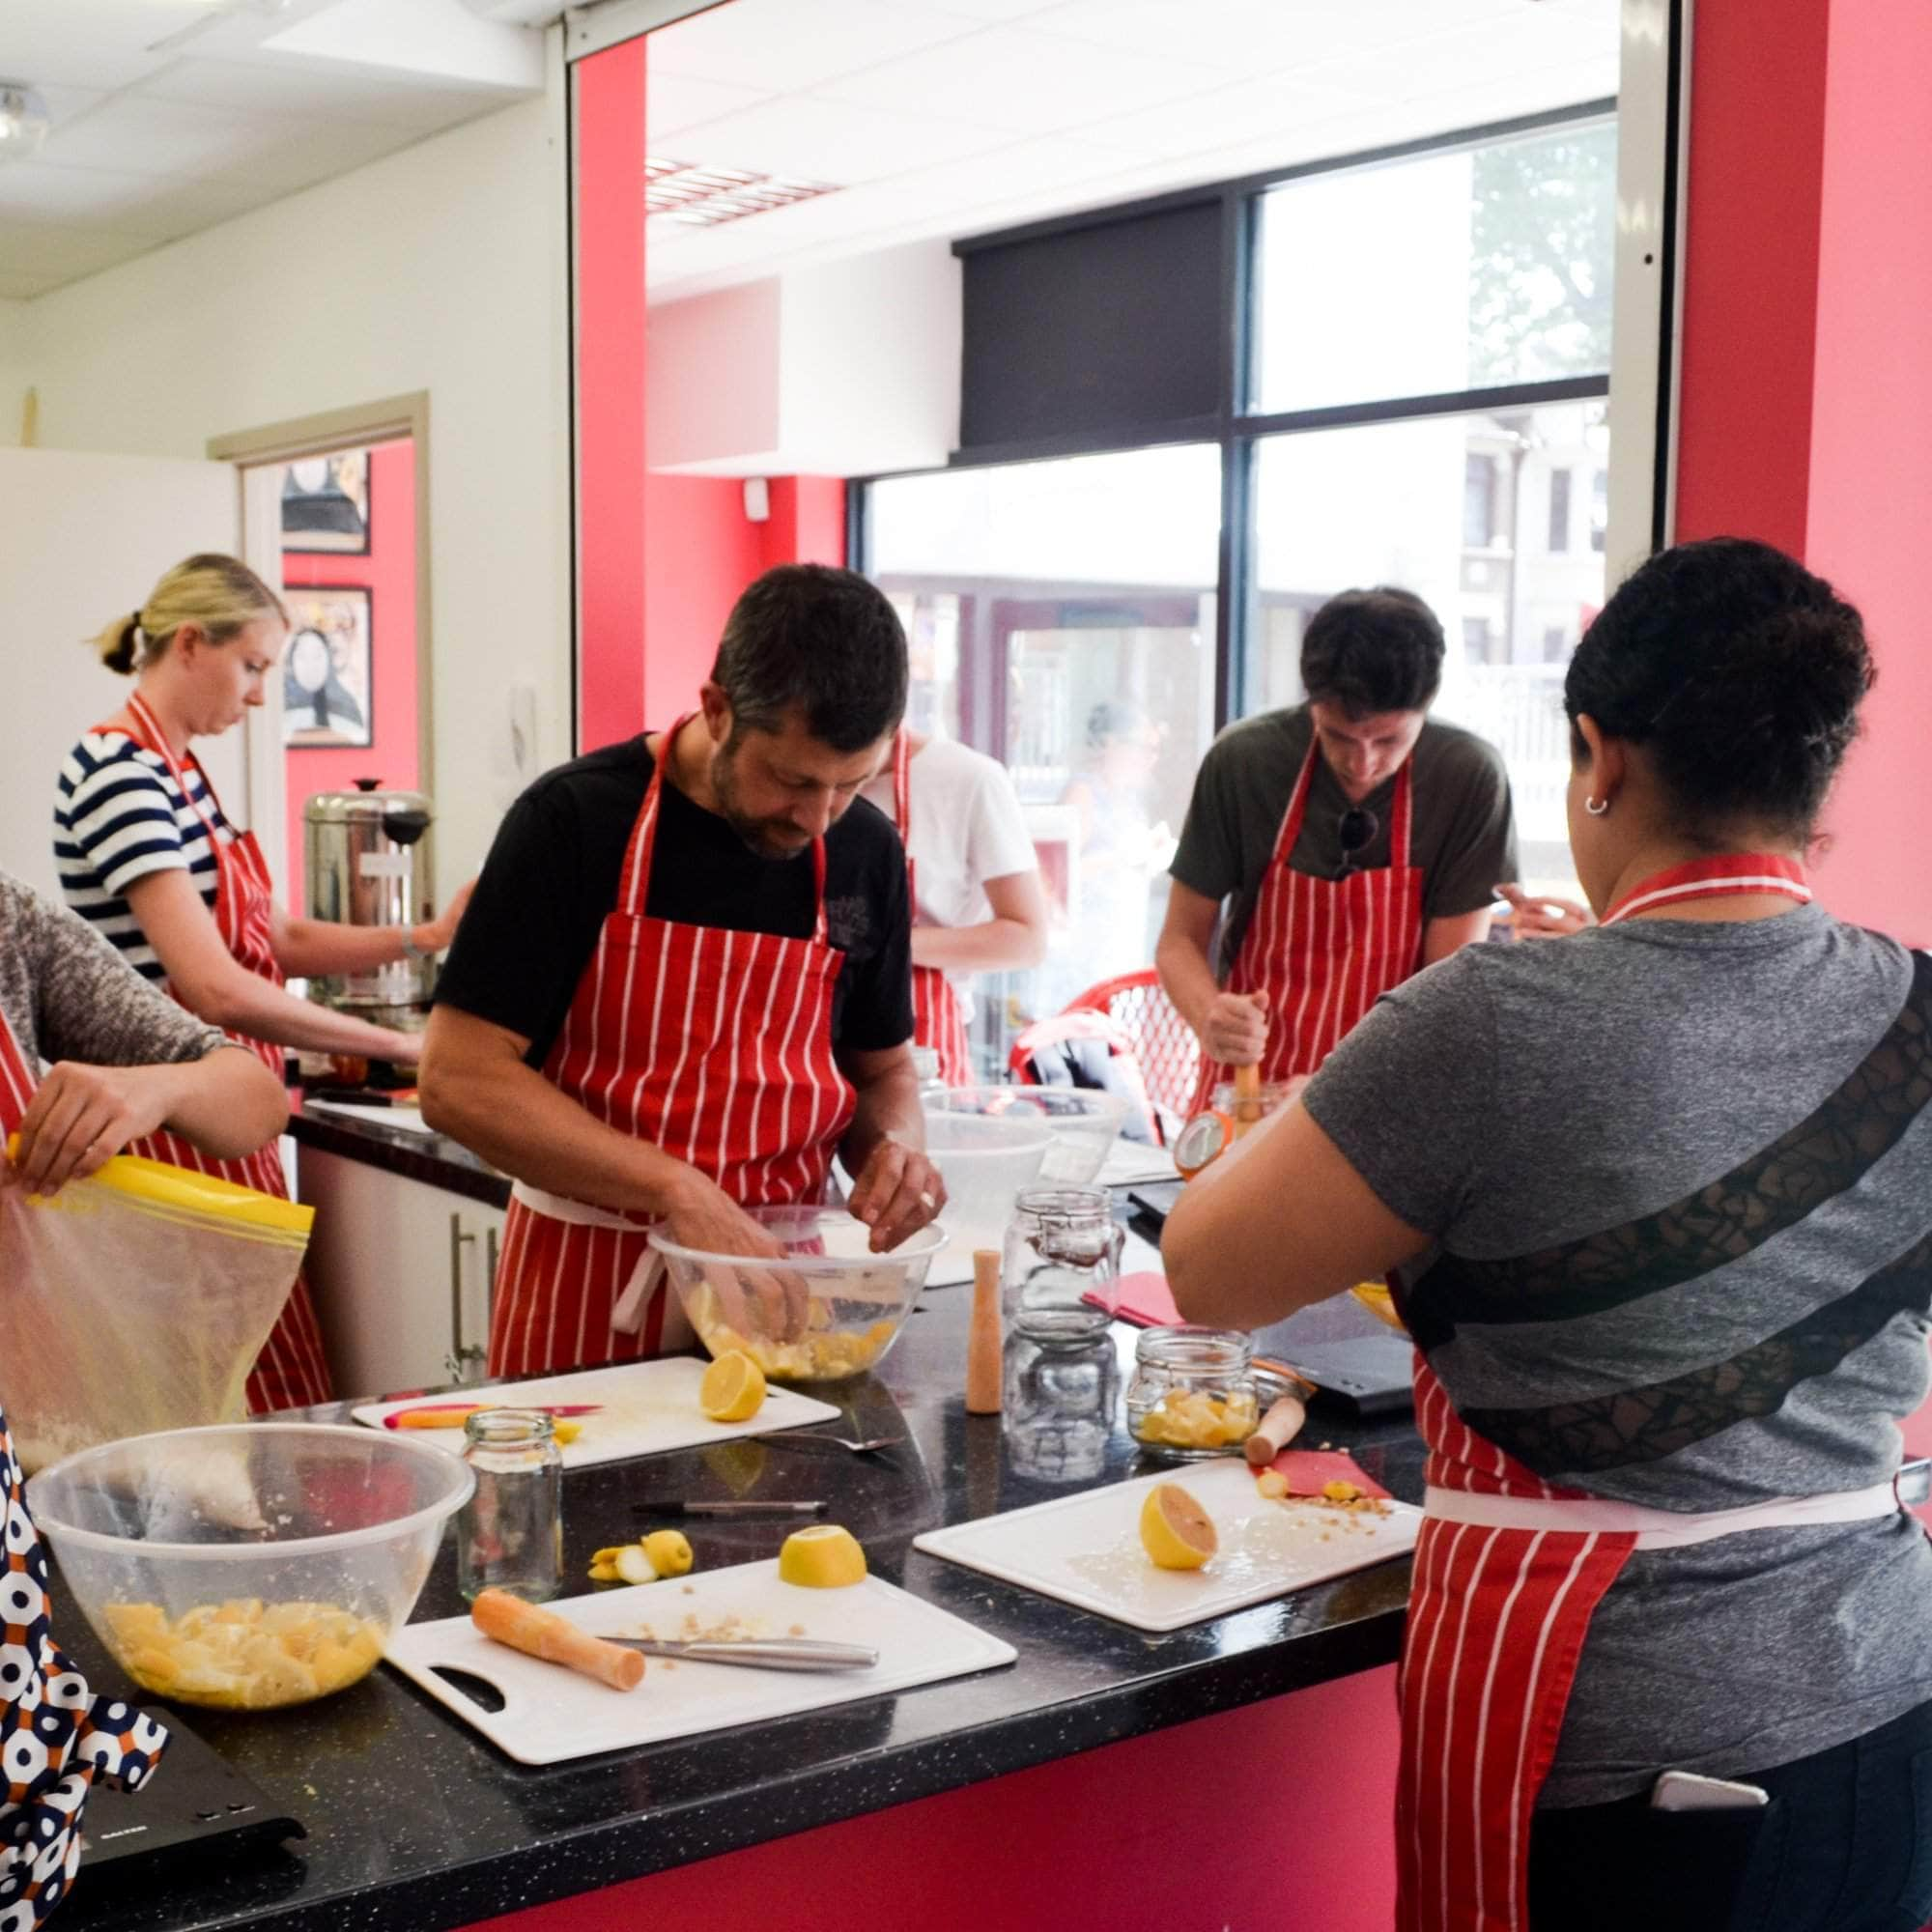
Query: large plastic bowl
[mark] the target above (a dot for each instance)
(985, 1159)
(1083, 1122)
(828, 1310)
(249, 1565)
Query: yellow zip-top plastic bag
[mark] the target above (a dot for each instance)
(136, 1300)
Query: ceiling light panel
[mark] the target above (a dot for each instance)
(684, 193)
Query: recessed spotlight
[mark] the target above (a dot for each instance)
(24, 120)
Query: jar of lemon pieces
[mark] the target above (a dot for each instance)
(1193, 1392)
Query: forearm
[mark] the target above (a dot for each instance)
(245, 1004)
(228, 1103)
(997, 946)
(508, 1113)
(307, 947)
(889, 1109)
(1188, 979)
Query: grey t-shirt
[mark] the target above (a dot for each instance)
(69, 995)
(1736, 1342)
(1461, 836)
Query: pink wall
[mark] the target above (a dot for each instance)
(607, 106)
(389, 571)
(1807, 403)
(1278, 1814)
(702, 551)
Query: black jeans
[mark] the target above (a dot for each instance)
(1845, 1845)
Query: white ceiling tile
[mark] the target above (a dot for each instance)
(138, 135)
(1472, 55)
(65, 102)
(289, 85)
(777, 45)
(977, 10)
(36, 193)
(1026, 82)
(677, 101)
(811, 139)
(1224, 116)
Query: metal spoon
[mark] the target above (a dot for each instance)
(859, 1446)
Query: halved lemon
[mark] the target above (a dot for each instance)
(732, 1388)
(823, 1557)
(1176, 1531)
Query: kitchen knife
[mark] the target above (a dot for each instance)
(776, 1653)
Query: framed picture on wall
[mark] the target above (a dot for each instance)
(327, 669)
(325, 503)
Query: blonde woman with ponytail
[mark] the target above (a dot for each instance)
(148, 857)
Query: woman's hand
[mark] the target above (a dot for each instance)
(1544, 918)
(82, 1116)
(433, 935)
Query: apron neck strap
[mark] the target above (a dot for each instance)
(638, 858)
(1401, 812)
(153, 738)
(1723, 876)
(902, 784)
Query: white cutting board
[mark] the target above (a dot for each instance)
(551, 1714)
(1086, 1548)
(648, 1407)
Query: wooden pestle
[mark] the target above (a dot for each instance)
(1247, 1098)
(982, 1339)
(541, 1633)
(1277, 1429)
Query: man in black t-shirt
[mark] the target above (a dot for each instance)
(1270, 955)
(682, 984)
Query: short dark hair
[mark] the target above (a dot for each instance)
(1738, 673)
(819, 640)
(1372, 651)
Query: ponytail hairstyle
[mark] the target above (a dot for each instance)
(217, 594)
(1740, 675)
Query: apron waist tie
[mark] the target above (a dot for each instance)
(1655, 1528)
(627, 1313)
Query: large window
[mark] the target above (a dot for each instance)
(1422, 401)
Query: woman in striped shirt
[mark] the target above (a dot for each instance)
(1663, 1198)
(146, 855)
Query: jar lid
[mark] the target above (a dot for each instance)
(508, 1427)
(1192, 1345)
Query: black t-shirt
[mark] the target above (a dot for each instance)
(554, 873)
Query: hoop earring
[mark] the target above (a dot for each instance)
(1596, 807)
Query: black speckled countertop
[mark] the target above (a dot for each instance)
(413, 1153)
(417, 1824)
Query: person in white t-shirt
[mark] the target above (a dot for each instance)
(978, 902)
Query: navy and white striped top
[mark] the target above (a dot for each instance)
(119, 815)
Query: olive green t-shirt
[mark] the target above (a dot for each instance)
(1463, 834)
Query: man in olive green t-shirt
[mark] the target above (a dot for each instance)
(1292, 909)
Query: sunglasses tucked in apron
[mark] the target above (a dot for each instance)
(937, 1021)
(291, 1371)
(713, 1045)
(56, 1735)
(1323, 950)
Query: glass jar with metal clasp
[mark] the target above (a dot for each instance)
(509, 1535)
(1061, 1265)
(1193, 1391)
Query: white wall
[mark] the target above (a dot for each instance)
(846, 370)
(13, 369)
(438, 268)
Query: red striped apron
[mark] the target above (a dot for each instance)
(937, 1021)
(1502, 1596)
(291, 1372)
(715, 1046)
(1323, 950)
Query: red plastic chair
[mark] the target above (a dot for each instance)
(1162, 1041)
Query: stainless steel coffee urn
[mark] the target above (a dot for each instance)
(368, 864)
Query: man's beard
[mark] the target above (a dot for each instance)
(768, 838)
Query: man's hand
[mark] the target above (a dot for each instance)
(82, 1116)
(753, 1301)
(1236, 1029)
(896, 1193)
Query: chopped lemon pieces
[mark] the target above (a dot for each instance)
(1193, 1419)
(1271, 1483)
(819, 1355)
(733, 1387)
(244, 1654)
(663, 1552)
(1176, 1531)
(823, 1557)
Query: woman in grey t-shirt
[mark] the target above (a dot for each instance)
(1661, 1195)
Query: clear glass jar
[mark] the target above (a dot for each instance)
(1058, 1404)
(509, 1535)
(1193, 1391)
(1062, 1245)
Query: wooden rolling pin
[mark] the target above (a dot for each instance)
(982, 1339)
(1278, 1428)
(541, 1633)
